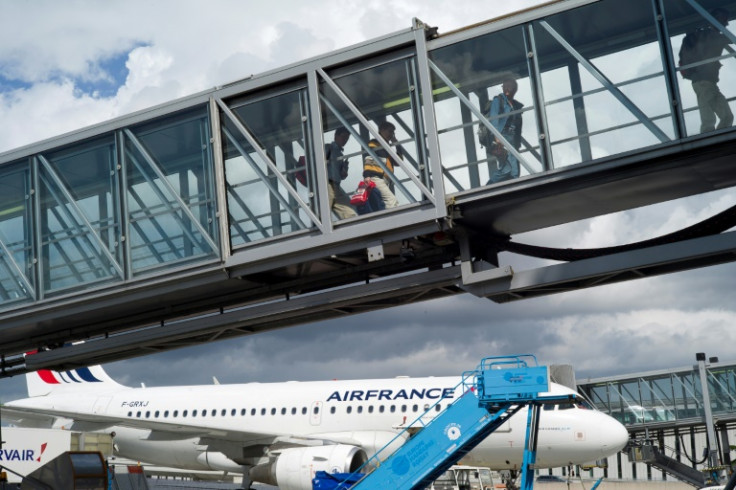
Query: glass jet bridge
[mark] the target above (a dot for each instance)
(210, 217)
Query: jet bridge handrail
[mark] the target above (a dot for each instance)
(498, 362)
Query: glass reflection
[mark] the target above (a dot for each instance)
(170, 191)
(492, 73)
(80, 219)
(392, 163)
(17, 280)
(701, 40)
(604, 88)
(260, 204)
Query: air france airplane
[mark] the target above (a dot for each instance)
(281, 433)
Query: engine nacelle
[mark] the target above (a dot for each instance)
(294, 468)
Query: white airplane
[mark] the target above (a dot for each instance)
(282, 433)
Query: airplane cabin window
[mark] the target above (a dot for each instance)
(176, 413)
(283, 410)
(381, 408)
(332, 410)
(360, 408)
(242, 412)
(233, 412)
(293, 410)
(204, 413)
(393, 408)
(166, 414)
(437, 407)
(156, 414)
(263, 411)
(403, 408)
(252, 411)
(414, 408)
(214, 412)
(273, 411)
(304, 410)
(148, 414)
(370, 408)
(138, 414)
(316, 410)
(130, 414)
(184, 413)
(194, 413)
(350, 409)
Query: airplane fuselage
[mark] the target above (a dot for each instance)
(178, 426)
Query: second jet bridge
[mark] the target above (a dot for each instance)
(210, 216)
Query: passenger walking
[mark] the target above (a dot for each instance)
(707, 43)
(337, 171)
(373, 172)
(505, 116)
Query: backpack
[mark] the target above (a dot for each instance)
(690, 53)
(485, 138)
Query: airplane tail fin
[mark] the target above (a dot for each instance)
(44, 381)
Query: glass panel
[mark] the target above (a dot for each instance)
(718, 386)
(656, 408)
(259, 204)
(687, 387)
(170, 192)
(599, 396)
(603, 80)
(708, 80)
(385, 96)
(80, 216)
(478, 68)
(17, 279)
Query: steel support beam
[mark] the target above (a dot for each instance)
(508, 285)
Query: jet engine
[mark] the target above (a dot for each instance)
(294, 468)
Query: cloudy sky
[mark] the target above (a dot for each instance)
(66, 65)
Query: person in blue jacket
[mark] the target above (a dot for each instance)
(505, 115)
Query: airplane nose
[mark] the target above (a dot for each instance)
(616, 436)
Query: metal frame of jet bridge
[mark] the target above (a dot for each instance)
(208, 217)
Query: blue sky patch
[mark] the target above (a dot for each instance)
(103, 79)
(112, 75)
(9, 84)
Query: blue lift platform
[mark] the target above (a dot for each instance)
(496, 390)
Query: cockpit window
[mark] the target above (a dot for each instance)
(566, 406)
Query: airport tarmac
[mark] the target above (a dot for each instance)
(573, 485)
(615, 485)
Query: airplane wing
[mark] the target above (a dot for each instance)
(26, 419)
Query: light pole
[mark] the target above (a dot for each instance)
(708, 413)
